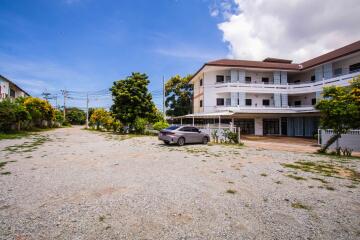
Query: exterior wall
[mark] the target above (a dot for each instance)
(303, 76)
(306, 99)
(258, 98)
(345, 63)
(256, 77)
(4, 85)
(258, 126)
(350, 140)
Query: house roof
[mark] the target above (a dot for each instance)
(284, 64)
(6, 79)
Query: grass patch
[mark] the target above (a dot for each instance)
(101, 218)
(300, 206)
(38, 140)
(15, 135)
(5, 173)
(278, 182)
(231, 191)
(295, 177)
(320, 180)
(325, 169)
(263, 174)
(330, 188)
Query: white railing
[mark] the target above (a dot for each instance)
(270, 109)
(284, 88)
(350, 139)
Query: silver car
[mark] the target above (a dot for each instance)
(183, 134)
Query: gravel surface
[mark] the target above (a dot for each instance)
(76, 184)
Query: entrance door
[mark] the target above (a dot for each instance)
(284, 126)
(247, 126)
(271, 126)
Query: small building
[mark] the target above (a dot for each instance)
(270, 97)
(9, 89)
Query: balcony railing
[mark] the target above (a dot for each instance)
(284, 88)
(267, 109)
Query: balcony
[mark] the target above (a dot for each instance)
(284, 88)
(267, 109)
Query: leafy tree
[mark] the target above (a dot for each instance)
(100, 117)
(75, 116)
(132, 99)
(140, 125)
(179, 94)
(59, 117)
(160, 125)
(7, 115)
(39, 110)
(21, 115)
(340, 110)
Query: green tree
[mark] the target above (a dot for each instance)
(160, 125)
(179, 94)
(75, 116)
(100, 117)
(132, 99)
(39, 110)
(140, 125)
(340, 110)
(7, 115)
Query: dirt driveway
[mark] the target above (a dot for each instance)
(75, 184)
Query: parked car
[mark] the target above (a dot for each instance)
(183, 134)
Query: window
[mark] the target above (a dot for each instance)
(219, 102)
(12, 92)
(297, 103)
(185, 129)
(265, 80)
(297, 81)
(194, 129)
(219, 79)
(313, 101)
(248, 102)
(354, 68)
(266, 102)
(313, 78)
(201, 82)
(248, 79)
(228, 102)
(338, 71)
(200, 103)
(228, 78)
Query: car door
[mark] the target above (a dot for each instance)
(187, 134)
(197, 136)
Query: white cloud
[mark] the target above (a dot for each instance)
(187, 52)
(294, 29)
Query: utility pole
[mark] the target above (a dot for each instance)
(163, 82)
(87, 110)
(65, 94)
(46, 95)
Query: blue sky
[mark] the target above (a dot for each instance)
(85, 45)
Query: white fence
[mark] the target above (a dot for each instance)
(350, 140)
(216, 130)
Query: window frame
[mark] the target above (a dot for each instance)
(268, 100)
(221, 99)
(201, 103)
(246, 102)
(220, 77)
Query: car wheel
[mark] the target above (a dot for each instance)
(205, 140)
(181, 141)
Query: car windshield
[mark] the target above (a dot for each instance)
(172, 127)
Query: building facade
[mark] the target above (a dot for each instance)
(273, 96)
(10, 90)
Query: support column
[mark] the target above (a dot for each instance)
(193, 121)
(327, 71)
(283, 78)
(277, 77)
(242, 97)
(219, 122)
(259, 126)
(318, 74)
(277, 100)
(242, 76)
(284, 100)
(234, 98)
(234, 76)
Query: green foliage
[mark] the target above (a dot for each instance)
(340, 109)
(230, 136)
(100, 117)
(39, 110)
(132, 100)
(140, 125)
(178, 93)
(7, 115)
(116, 125)
(59, 117)
(75, 116)
(160, 125)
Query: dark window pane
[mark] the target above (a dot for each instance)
(313, 78)
(313, 101)
(248, 102)
(201, 103)
(266, 102)
(297, 103)
(220, 102)
(201, 82)
(248, 79)
(265, 80)
(354, 68)
(172, 127)
(219, 79)
(338, 71)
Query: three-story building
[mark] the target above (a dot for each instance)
(273, 96)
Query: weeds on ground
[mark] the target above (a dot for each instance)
(231, 191)
(28, 146)
(263, 174)
(300, 206)
(324, 169)
(295, 177)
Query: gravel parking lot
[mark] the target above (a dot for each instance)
(76, 184)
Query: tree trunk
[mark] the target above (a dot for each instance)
(329, 142)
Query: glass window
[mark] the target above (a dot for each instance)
(297, 103)
(354, 68)
(172, 127)
(220, 102)
(228, 79)
(313, 101)
(265, 80)
(248, 79)
(219, 79)
(12, 92)
(194, 129)
(201, 103)
(248, 102)
(313, 78)
(185, 129)
(266, 102)
(338, 71)
(201, 82)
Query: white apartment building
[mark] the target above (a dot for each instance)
(273, 96)
(8, 89)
